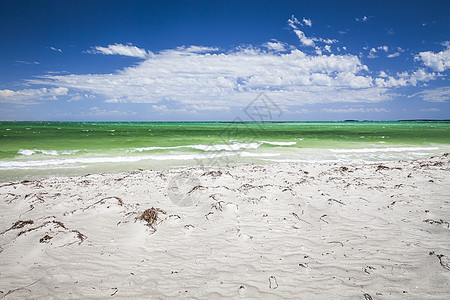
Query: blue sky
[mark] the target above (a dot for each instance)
(208, 60)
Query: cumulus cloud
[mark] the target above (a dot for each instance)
(372, 53)
(307, 22)
(439, 61)
(196, 78)
(227, 78)
(275, 46)
(31, 96)
(120, 49)
(304, 40)
(404, 78)
(207, 77)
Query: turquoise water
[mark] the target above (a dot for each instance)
(38, 149)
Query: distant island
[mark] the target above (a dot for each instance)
(424, 120)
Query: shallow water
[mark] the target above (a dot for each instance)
(39, 149)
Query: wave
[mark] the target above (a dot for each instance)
(28, 152)
(79, 162)
(388, 149)
(217, 147)
(279, 143)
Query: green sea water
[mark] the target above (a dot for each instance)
(38, 149)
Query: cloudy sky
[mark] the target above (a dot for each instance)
(208, 60)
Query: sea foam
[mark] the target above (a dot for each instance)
(387, 149)
(28, 152)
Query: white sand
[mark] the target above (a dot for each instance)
(273, 231)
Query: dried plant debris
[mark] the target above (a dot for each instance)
(438, 222)
(19, 224)
(58, 224)
(150, 216)
(19, 288)
(381, 167)
(445, 265)
(367, 296)
(45, 239)
(213, 173)
(101, 201)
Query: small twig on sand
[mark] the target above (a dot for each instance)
(367, 296)
(322, 219)
(340, 202)
(336, 242)
(21, 288)
(295, 215)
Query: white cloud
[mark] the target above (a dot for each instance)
(28, 62)
(355, 110)
(326, 41)
(396, 54)
(372, 53)
(56, 49)
(205, 77)
(404, 78)
(31, 96)
(430, 109)
(363, 19)
(275, 46)
(439, 61)
(307, 22)
(198, 78)
(292, 22)
(95, 111)
(120, 49)
(225, 77)
(383, 74)
(303, 38)
(441, 94)
(197, 49)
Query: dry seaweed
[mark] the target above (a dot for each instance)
(79, 235)
(19, 224)
(439, 222)
(45, 239)
(150, 216)
(443, 264)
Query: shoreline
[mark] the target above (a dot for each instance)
(249, 231)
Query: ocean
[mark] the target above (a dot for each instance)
(30, 150)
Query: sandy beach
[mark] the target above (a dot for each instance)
(288, 230)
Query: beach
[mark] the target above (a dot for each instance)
(346, 230)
